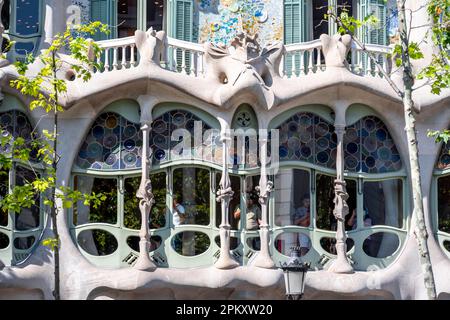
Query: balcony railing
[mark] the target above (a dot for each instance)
(188, 58)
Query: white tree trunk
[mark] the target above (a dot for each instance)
(410, 128)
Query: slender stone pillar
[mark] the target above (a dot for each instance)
(341, 264)
(224, 196)
(263, 259)
(145, 193)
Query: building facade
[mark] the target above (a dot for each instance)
(247, 123)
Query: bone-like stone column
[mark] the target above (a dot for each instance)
(263, 259)
(145, 193)
(224, 196)
(341, 264)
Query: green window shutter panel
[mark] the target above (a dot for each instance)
(295, 29)
(376, 34)
(103, 11)
(183, 19)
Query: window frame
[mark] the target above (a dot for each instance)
(11, 34)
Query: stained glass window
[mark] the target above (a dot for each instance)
(444, 157)
(113, 143)
(165, 149)
(308, 137)
(369, 147)
(15, 124)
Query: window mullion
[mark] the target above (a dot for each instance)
(120, 200)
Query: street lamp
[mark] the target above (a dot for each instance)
(294, 275)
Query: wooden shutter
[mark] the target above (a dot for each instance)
(103, 11)
(375, 34)
(183, 19)
(296, 21)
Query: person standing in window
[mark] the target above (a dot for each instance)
(253, 213)
(302, 214)
(302, 218)
(179, 213)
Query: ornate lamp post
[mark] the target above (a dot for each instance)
(294, 275)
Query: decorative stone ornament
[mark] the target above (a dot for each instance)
(224, 196)
(150, 45)
(145, 206)
(335, 49)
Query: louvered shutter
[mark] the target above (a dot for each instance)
(372, 34)
(183, 31)
(103, 11)
(295, 30)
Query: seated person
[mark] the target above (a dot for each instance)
(302, 214)
(179, 213)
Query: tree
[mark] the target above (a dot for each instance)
(437, 74)
(40, 79)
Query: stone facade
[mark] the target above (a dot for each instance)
(213, 83)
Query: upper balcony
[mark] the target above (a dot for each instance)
(298, 60)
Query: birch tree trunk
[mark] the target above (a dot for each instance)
(420, 230)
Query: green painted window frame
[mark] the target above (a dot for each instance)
(11, 34)
(440, 236)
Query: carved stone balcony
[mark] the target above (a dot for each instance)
(188, 58)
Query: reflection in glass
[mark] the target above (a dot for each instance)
(103, 243)
(234, 242)
(383, 203)
(106, 212)
(6, 14)
(254, 243)
(191, 194)
(4, 241)
(28, 218)
(444, 204)
(329, 244)
(235, 203)
(24, 243)
(126, 18)
(324, 201)
(285, 241)
(133, 242)
(292, 199)
(3, 192)
(190, 243)
(132, 214)
(381, 244)
(27, 17)
(252, 207)
(155, 14)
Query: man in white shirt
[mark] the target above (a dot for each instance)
(179, 214)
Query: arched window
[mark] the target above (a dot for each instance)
(22, 21)
(19, 232)
(109, 162)
(304, 193)
(442, 173)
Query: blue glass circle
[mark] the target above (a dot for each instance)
(283, 152)
(352, 148)
(129, 144)
(322, 157)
